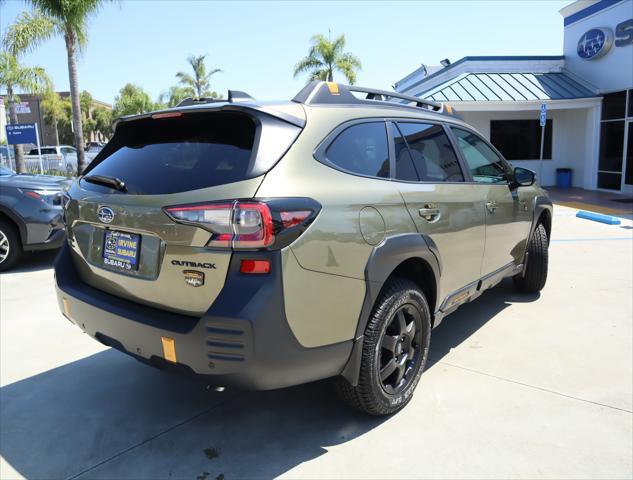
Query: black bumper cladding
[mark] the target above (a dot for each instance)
(243, 340)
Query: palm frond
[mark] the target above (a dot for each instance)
(33, 80)
(307, 64)
(321, 74)
(28, 31)
(339, 44)
(348, 71)
(185, 78)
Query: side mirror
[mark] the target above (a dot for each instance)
(523, 177)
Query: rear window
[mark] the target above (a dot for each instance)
(170, 155)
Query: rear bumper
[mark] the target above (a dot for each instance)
(243, 340)
(54, 240)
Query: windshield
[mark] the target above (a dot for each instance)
(6, 171)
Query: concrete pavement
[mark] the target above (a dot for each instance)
(517, 386)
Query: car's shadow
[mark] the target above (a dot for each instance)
(469, 318)
(35, 261)
(106, 416)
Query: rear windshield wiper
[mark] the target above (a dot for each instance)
(111, 182)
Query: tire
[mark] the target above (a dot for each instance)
(10, 245)
(397, 336)
(533, 279)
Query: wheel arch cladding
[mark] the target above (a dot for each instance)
(409, 256)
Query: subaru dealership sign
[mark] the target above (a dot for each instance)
(21, 133)
(596, 42)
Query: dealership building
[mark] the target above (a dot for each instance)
(588, 91)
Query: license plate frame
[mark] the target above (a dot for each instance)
(121, 250)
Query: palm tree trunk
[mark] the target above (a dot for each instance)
(13, 116)
(56, 131)
(71, 45)
(330, 74)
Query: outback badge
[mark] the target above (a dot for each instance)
(193, 278)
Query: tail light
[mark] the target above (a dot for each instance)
(240, 224)
(52, 197)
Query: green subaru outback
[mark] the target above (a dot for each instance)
(262, 245)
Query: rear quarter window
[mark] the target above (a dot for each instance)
(361, 149)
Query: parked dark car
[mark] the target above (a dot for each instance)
(30, 214)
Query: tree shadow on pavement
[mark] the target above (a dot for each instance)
(107, 416)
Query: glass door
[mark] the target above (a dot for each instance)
(615, 163)
(627, 169)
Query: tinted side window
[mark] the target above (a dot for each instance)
(361, 149)
(432, 155)
(484, 164)
(405, 169)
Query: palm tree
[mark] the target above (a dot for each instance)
(199, 83)
(175, 95)
(67, 18)
(132, 100)
(15, 76)
(325, 56)
(54, 111)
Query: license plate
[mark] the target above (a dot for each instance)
(121, 250)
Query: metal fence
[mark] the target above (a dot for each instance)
(50, 164)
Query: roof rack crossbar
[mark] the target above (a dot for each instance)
(319, 92)
(384, 95)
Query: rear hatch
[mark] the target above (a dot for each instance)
(124, 239)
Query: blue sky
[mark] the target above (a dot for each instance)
(256, 44)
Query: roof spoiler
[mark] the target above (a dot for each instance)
(329, 93)
(237, 100)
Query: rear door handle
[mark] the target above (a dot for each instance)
(430, 212)
(492, 206)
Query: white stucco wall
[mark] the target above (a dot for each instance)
(612, 72)
(572, 147)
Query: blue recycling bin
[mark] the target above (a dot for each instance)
(563, 177)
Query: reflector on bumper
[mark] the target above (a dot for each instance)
(169, 349)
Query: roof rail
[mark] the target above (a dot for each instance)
(329, 93)
(234, 96)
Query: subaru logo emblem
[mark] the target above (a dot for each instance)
(105, 214)
(594, 43)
